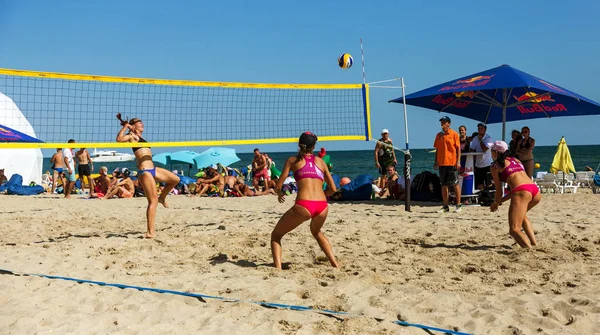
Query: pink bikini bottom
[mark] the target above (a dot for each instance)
(314, 207)
(531, 188)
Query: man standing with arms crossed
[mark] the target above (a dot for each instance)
(447, 159)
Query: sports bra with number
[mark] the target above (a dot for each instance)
(309, 170)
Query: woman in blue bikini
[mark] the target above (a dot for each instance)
(148, 174)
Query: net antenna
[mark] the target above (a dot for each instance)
(406, 151)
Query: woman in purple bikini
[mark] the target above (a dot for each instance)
(524, 193)
(148, 174)
(311, 201)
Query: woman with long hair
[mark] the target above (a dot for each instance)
(512, 145)
(524, 193)
(524, 150)
(465, 144)
(311, 201)
(148, 174)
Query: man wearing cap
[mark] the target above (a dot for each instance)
(384, 156)
(482, 143)
(447, 159)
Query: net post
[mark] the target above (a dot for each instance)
(367, 111)
(406, 154)
(407, 157)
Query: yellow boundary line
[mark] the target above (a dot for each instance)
(9, 145)
(149, 81)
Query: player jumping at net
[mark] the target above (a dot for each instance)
(311, 202)
(148, 174)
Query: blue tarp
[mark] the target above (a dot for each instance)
(358, 189)
(15, 186)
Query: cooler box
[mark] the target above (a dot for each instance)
(467, 183)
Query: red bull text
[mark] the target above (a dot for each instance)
(541, 108)
(537, 106)
(552, 87)
(440, 99)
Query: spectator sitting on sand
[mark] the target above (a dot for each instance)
(101, 184)
(394, 187)
(124, 188)
(213, 183)
(245, 190)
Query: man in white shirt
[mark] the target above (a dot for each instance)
(482, 143)
(70, 170)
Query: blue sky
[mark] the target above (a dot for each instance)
(426, 42)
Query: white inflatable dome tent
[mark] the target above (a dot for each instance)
(26, 162)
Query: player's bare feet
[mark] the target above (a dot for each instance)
(148, 235)
(163, 202)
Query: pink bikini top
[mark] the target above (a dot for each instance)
(513, 166)
(309, 170)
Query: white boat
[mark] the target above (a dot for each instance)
(107, 156)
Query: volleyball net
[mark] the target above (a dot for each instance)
(61, 106)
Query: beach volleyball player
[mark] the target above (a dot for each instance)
(311, 201)
(524, 193)
(148, 174)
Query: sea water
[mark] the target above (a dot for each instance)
(353, 163)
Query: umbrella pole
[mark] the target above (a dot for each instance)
(504, 114)
(406, 155)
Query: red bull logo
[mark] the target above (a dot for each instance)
(465, 94)
(472, 80)
(8, 135)
(468, 82)
(454, 102)
(532, 97)
(538, 105)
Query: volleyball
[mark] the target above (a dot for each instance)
(345, 61)
(537, 165)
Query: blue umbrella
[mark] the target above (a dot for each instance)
(223, 156)
(162, 158)
(10, 135)
(502, 94)
(186, 157)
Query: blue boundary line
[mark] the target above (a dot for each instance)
(204, 296)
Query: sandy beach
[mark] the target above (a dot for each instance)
(457, 271)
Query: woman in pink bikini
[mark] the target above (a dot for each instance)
(524, 194)
(311, 202)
